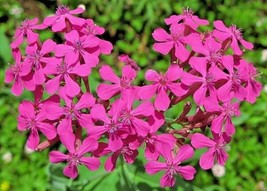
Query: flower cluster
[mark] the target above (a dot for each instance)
(122, 117)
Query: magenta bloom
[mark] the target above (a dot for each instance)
(253, 87)
(29, 119)
(64, 15)
(128, 153)
(161, 85)
(75, 48)
(114, 129)
(38, 58)
(210, 52)
(154, 141)
(206, 80)
(91, 28)
(72, 111)
(172, 166)
(177, 40)
(232, 33)
(134, 118)
(128, 61)
(26, 29)
(217, 149)
(188, 18)
(119, 85)
(75, 155)
(20, 74)
(65, 72)
(234, 86)
(223, 122)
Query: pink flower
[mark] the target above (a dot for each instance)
(134, 117)
(154, 141)
(177, 40)
(188, 18)
(20, 74)
(128, 153)
(65, 72)
(63, 17)
(29, 119)
(119, 85)
(114, 129)
(161, 85)
(128, 61)
(71, 112)
(233, 33)
(91, 28)
(38, 58)
(75, 48)
(225, 112)
(172, 166)
(216, 149)
(234, 84)
(253, 87)
(210, 52)
(207, 80)
(75, 155)
(26, 29)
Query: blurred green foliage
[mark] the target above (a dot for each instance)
(129, 24)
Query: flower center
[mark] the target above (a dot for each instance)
(236, 32)
(125, 82)
(188, 11)
(62, 10)
(74, 159)
(35, 58)
(62, 68)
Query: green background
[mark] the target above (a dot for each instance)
(129, 24)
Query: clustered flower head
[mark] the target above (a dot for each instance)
(122, 117)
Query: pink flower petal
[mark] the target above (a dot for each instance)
(91, 163)
(153, 167)
(199, 141)
(162, 100)
(56, 157)
(88, 144)
(161, 35)
(71, 171)
(207, 159)
(107, 74)
(163, 47)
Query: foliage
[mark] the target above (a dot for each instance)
(129, 24)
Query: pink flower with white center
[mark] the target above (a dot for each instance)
(188, 18)
(234, 85)
(210, 52)
(63, 17)
(75, 48)
(233, 33)
(38, 58)
(207, 80)
(153, 140)
(253, 87)
(20, 74)
(119, 85)
(114, 129)
(65, 72)
(177, 40)
(128, 61)
(75, 155)
(161, 85)
(71, 112)
(26, 29)
(223, 122)
(29, 119)
(91, 28)
(172, 166)
(216, 149)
